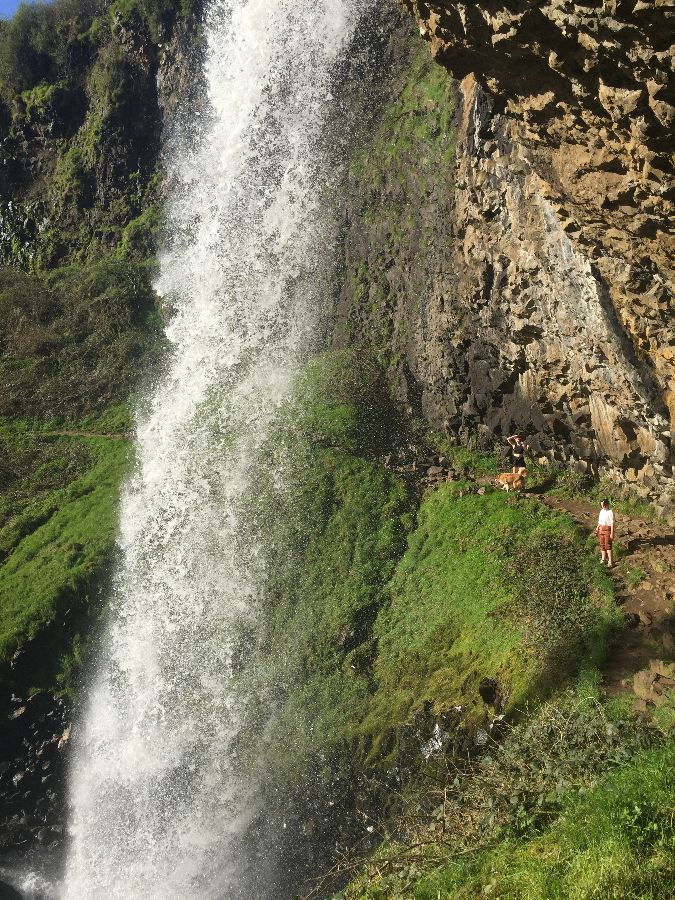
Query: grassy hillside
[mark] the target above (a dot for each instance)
(74, 344)
(376, 612)
(395, 628)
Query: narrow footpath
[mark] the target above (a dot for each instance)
(641, 658)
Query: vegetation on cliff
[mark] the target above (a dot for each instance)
(58, 522)
(80, 124)
(80, 324)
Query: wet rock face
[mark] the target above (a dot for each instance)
(543, 300)
(33, 744)
(543, 347)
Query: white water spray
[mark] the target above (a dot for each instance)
(157, 805)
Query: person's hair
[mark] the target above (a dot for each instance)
(605, 501)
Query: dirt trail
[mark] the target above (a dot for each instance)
(126, 435)
(648, 642)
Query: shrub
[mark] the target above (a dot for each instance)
(27, 47)
(574, 804)
(555, 599)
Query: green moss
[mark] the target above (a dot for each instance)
(67, 71)
(76, 342)
(418, 122)
(342, 398)
(58, 526)
(140, 234)
(396, 182)
(367, 617)
(332, 542)
(72, 347)
(461, 607)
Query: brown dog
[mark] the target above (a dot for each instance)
(512, 481)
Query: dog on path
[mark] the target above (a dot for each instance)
(512, 481)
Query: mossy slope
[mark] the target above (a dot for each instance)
(369, 618)
(80, 123)
(59, 523)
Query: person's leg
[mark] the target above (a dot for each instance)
(610, 562)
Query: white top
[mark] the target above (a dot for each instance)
(606, 517)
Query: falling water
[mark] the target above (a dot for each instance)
(158, 807)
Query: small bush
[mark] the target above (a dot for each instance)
(555, 600)
(574, 804)
(635, 576)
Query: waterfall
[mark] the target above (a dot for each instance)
(158, 806)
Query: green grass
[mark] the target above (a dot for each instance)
(369, 617)
(617, 841)
(73, 345)
(490, 587)
(635, 576)
(464, 460)
(58, 523)
(570, 485)
(331, 537)
(342, 398)
(77, 341)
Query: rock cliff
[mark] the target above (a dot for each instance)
(534, 290)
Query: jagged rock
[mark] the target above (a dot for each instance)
(653, 685)
(32, 770)
(544, 301)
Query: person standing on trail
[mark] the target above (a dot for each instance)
(605, 531)
(517, 452)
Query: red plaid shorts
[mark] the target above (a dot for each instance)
(605, 540)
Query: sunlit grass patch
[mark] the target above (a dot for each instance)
(490, 586)
(58, 540)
